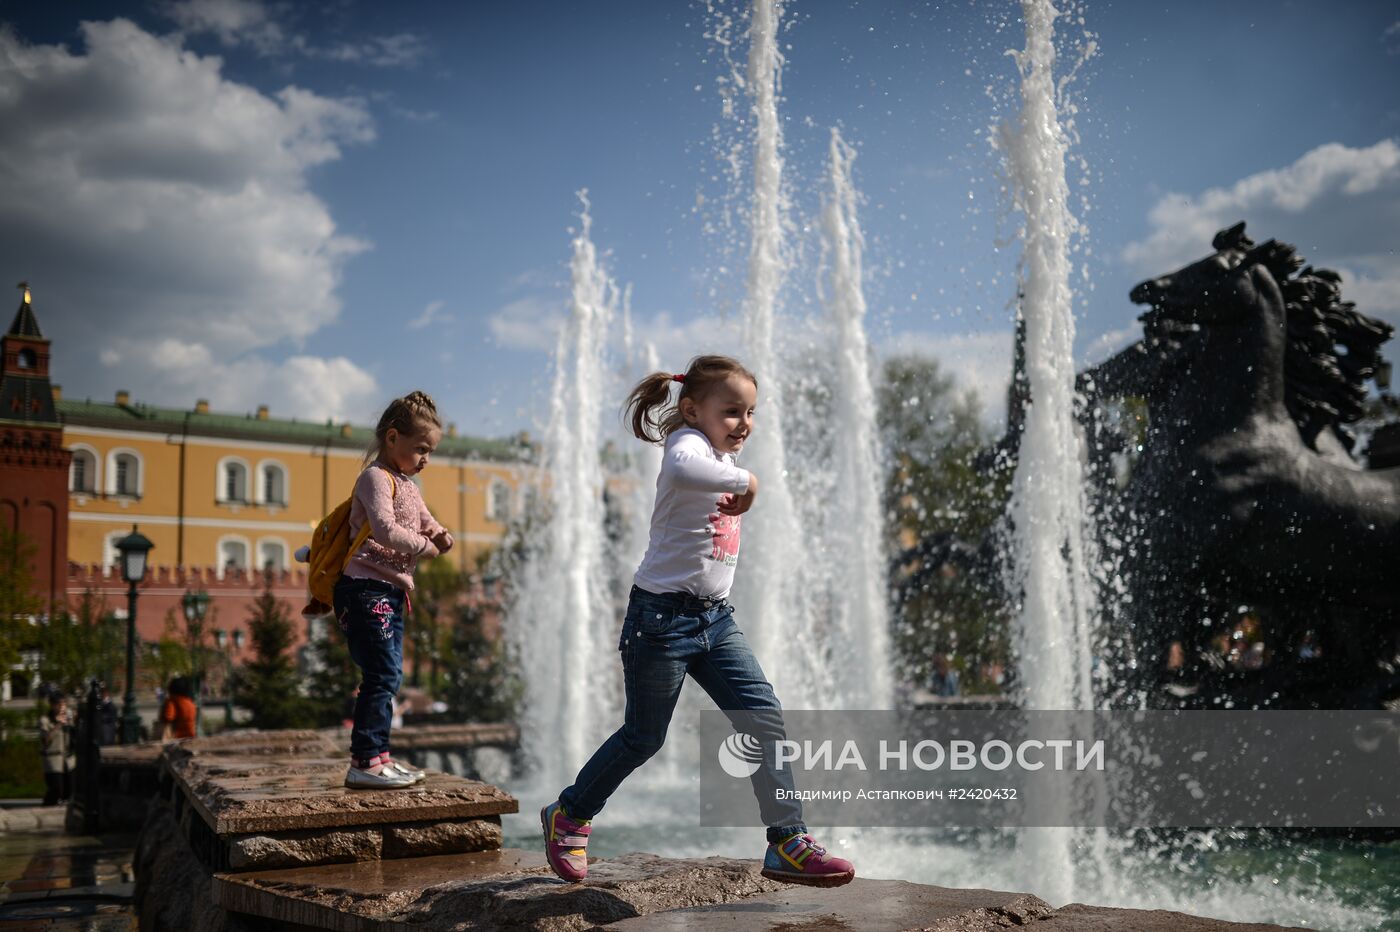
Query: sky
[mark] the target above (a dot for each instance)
(318, 206)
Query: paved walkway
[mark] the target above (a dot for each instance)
(51, 882)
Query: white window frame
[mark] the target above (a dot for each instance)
(492, 511)
(221, 565)
(110, 485)
(261, 482)
(280, 565)
(221, 481)
(111, 556)
(95, 483)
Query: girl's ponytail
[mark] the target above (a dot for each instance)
(701, 377)
(651, 393)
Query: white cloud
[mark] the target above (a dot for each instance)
(319, 388)
(254, 24)
(234, 22)
(980, 361)
(530, 323)
(1391, 39)
(1340, 206)
(432, 313)
(151, 199)
(1108, 343)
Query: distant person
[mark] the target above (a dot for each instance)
(177, 715)
(106, 719)
(944, 681)
(56, 746)
(371, 595)
(680, 622)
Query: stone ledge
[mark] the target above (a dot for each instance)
(366, 843)
(513, 889)
(272, 782)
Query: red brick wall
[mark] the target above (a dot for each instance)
(34, 500)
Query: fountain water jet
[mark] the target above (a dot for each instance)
(859, 578)
(557, 602)
(1051, 543)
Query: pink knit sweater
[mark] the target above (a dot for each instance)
(400, 527)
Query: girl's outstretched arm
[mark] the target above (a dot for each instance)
(690, 464)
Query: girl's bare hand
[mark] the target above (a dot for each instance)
(738, 504)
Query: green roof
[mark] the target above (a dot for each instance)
(139, 416)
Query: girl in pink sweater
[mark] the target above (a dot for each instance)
(372, 595)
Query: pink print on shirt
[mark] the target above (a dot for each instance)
(725, 531)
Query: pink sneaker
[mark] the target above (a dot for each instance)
(799, 859)
(565, 843)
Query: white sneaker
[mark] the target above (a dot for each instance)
(408, 770)
(388, 778)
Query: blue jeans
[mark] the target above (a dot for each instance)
(664, 637)
(370, 613)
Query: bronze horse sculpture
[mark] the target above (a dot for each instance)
(1246, 490)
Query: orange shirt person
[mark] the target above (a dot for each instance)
(177, 716)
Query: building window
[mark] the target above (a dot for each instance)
(272, 555)
(82, 475)
(274, 484)
(233, 555)
(111, 556)
(126, 475)
(498, 501)
(26, 359)
(233, 481)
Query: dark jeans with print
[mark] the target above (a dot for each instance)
(370, 613)
(665, 637)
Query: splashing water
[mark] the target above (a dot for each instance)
(768, 591)
(561, 606)
(1051, 546)
(860, 585)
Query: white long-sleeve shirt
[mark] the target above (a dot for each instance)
(693, 548)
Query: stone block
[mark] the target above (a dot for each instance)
(245, 798)
(331, 846)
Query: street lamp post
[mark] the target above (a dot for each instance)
(133, 549)
(195, 605)
(221, 639)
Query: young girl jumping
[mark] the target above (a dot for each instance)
(370, 597)
(679, 622)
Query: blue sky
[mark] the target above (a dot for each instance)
(318, 206)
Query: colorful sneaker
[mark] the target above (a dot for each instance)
(799, 859)
(565, 843)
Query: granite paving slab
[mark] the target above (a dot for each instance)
(896, 906)
(360, 897)
(251, 797)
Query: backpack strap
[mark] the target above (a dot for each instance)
(365, 529)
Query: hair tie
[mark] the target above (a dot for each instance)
(678, 378)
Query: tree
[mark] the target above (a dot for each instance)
(267, 684)
(481, 684)
(167, 658)
(438, 585)
(333, 678)
(946, 500)
(76, 646)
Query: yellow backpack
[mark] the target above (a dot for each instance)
(330, 552)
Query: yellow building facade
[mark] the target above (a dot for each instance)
(244, 491)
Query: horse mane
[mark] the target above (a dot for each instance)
(1323, 387)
